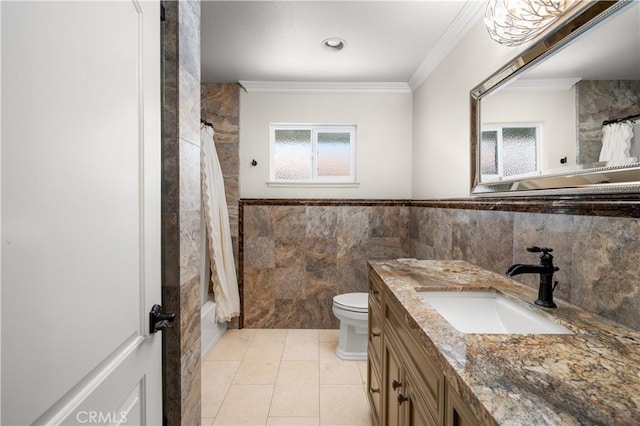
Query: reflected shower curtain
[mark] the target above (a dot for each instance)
(616, 142)
(223, 270)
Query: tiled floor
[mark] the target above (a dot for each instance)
(282, 377)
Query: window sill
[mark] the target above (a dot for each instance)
(279, 184)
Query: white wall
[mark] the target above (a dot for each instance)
(555, 110)
(441, 143)
(384, 141)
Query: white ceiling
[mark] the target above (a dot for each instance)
(610, 51)
(387, 41)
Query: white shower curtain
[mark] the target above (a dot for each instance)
(223, 270)
(616, 142)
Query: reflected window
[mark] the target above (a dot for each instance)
(509, 150)
(312, 153)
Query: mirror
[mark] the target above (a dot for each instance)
(564, 116)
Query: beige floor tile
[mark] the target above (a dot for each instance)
(301, 345)
(245, 405)
(300, 400)
(265, 349)
(331, 336)
(232, 346)
(270, 335)
(257, 372)
(302, 334)
(327, 350)
(362, 366)
(298, 373)
(334, 399)
(293, 421)
(217, 376)
(339, 372)
(312, 385)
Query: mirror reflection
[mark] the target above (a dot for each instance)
(578, 109)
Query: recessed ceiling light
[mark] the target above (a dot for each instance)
(334, 44)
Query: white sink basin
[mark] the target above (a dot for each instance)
(485, 312)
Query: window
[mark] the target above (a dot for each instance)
(316, 154)
(509, 150)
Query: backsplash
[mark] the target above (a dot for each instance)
(598, 257)
(299, 254)
(297, 257)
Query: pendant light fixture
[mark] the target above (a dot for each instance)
(514, 22)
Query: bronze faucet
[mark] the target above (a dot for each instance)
(546, 270)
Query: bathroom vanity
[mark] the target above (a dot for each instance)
(423, 371)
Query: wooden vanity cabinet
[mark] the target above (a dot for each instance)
(411, 383)
(405, 387)
(403, 404)
(457, 413)
(392, 379)
(415, 413)
(374, 352)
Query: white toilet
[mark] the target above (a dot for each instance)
(351, 309)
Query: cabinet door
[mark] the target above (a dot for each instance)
(374, 391)
(457, 413)
(375, 332)
(429, 378)
(392, 383)
(413, 408)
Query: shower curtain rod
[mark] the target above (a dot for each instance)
(620, 120)
(206, 123)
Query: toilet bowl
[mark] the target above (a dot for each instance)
(351, 309)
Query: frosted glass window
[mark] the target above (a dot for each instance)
(292, 154)
(489, 153)
(509, 150)
(312, 153)
(520, 151)
(333, 154)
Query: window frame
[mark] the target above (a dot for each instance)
(315, 180)
(498, 128)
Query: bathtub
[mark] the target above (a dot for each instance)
(212, 331)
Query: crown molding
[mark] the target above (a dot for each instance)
(460, 26)
(325, 87)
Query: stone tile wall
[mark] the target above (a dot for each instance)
(221, 107)
(598, 257)
(181, 210)
(298, 257)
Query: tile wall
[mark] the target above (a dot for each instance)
(221, 107)
(297, 257)
(181, 210)
(598, 257)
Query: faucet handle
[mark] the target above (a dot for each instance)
(535, 249)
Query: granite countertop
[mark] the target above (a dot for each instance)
(589, 377)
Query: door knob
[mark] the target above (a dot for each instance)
(158, 320)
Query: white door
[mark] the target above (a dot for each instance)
(80, 217)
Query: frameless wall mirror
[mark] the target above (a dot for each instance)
(564, 116)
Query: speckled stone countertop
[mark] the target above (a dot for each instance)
(589, 377)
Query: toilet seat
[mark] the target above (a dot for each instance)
(353, 302)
